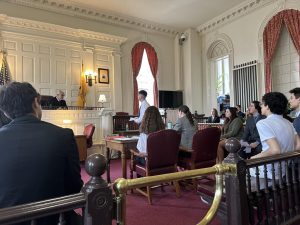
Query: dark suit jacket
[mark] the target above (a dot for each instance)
(250, 133)
(215, 120)
(38, 161)
(296, 124)
(3, 119)
(54, 103)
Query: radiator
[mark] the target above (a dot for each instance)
(245, 84)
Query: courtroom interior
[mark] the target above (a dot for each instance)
(149, 112)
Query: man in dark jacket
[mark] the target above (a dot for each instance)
(58, 101)
(38, 160)
(250, 141)
(3, 119)
(295, 105)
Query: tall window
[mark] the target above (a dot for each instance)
(222, 70)
(145, 79)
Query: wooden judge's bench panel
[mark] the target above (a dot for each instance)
(78, 119)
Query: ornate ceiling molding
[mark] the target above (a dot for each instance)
(13, 22)
(232, 14)
(92, 14)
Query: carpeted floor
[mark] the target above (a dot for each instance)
(166, 208)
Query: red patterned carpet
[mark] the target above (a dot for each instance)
(166, 208)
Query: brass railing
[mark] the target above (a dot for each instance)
(121, 186)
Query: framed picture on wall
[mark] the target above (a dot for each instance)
(103, 76)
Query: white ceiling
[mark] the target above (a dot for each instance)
(180, 14)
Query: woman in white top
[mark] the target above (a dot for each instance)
(152, 122)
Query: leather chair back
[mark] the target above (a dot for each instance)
(88, 132)
(162, 150)
(205, 145)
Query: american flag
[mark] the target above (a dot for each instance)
(4, 72)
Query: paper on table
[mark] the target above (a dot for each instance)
(131, 119)
(244, 143)
(126, 138)
(248, 149)
(123, 139)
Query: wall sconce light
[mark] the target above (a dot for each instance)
(89, 77)
(102, 99)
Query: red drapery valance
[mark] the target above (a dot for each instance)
(291, 19)
(137, 55)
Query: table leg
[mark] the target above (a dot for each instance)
(108, 165)
(124, 164)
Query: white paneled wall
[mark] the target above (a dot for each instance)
(50, 57)
(285, 64)
(47, 64)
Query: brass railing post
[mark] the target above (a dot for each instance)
(235, 186)
(99, 199)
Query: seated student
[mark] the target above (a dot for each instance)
(214, 118)
(250, 140)
(277, 134)
(186, 125)
(38, 160)
(152, 122)
(233, 127)
(295, 105)
(58, 101)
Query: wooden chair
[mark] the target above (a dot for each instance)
(203, 153)
(88, 132)
(162, 156)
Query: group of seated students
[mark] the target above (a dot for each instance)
(152, 121)
(262, 135)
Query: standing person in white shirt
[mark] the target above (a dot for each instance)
(144, 105)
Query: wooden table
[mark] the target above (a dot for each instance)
(122, 146)
(129, 133)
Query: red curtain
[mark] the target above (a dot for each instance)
(291, 19)
(137, 55)
(292, 22)
(270, 39)
(153, 62)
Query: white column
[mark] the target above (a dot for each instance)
(117, 82)
(88, 64)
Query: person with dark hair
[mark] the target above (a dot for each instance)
(274, 141)
(277, 134)
(295, 105)
(186, 125)
(233, 127)
(58, 101)
(3, 119)
(239, 112)
(39, 160)
(144, 105)
(152, 122)
(214, 118)
(251, 141)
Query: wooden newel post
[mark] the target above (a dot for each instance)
(99, 199)
(235, 186)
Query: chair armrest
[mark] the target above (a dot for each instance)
(137, 153)
(184, 149)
